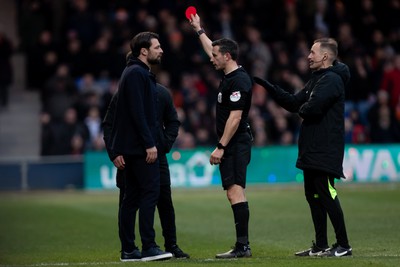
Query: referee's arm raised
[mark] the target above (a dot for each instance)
(205, 41)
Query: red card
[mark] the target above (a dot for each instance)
(189, 11)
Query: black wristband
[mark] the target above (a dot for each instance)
(200, 32)
(220, 146)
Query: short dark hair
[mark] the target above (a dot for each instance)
(227, 46)
(142, 40)
(329, 44)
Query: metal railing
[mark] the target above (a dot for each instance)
(40, 172)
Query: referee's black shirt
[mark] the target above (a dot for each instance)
(234, 94)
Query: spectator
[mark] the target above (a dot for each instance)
(93, 124)
(33, 19)
(367, 20)
(59, 93)
(67, 137)
(258, 55)
(383, 127)
(361, 94)
(6, 70)
(391, 81)
(76, 58)
(42, 59)
(83, 22)
(102, 57)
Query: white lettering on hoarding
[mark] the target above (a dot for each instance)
(178, 174)
(358, 164)
(108, 176)
(199, 160)
(384, 167)
(370, 165)
(196, 172)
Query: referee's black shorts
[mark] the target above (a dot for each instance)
(237, 156)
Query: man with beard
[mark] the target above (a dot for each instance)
(134, 136)
(168, 131)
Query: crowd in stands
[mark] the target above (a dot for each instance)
(76, 49)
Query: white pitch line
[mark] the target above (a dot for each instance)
(192, 260)
(63, 264)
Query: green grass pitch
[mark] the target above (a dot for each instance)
(77, 228)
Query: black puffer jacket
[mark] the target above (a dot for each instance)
(321, 105)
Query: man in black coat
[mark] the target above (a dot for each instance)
(321, 142)
(167, 115)
(134, 135)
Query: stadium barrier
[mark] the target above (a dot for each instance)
(41, 173)
(191, 168)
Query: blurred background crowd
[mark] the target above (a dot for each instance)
(75, 51)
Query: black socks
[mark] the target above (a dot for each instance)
(241, 216)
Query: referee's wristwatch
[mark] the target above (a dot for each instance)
(221, 146)
(200, 32)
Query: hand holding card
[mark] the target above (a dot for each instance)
(189, 11)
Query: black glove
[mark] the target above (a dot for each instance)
(264, 83)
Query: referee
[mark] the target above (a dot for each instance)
(234, 148)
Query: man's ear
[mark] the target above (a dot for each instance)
(143, 51)
(227, 56)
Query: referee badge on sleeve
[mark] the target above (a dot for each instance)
(235, 96)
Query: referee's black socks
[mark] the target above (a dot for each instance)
(241, 215)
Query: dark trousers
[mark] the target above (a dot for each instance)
(142, 189)
(321, 196)
(164, 205)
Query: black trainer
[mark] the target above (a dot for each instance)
(337, 251)
(155, 254)
(177, 252)
(135, 255)
(313, 251)
(238, 251)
